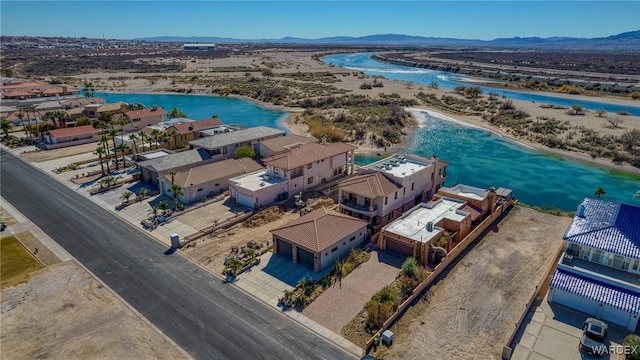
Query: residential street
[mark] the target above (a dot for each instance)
(209, 319)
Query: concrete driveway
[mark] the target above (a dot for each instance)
(553, 331)
(340, 303)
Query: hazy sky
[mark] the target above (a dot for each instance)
(483, 20)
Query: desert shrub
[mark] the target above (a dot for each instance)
(409, 267)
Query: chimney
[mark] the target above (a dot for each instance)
(492, 199)
(65, 90)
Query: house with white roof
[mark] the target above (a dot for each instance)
(417, 232)
(599, 271)
(382, 191)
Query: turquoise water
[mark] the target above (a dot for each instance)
(198, 107)
(362, 62)
(476, 157)
(483, 159)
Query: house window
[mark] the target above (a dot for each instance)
(412, 186)
(309, 166)
(636, 264)
(200, 189)
(218, 184)
(431, 176)
(224, 150)
(352, 238)
(310, 180)
(386, 199)
(396, 196)
(334, 249)
(275, 171)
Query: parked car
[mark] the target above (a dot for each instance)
(593, 337)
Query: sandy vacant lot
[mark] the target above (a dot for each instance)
(470, 313)
(64, 313)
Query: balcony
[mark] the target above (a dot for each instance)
(361, 209)
(600, 272)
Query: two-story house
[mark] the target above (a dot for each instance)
(293, 171)
(599, 271)
(385, 189)
(222, 146)
(138, 119)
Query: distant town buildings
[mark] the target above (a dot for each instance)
(202, 46)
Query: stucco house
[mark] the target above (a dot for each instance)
(382, 191)
(191, 130)
(64, 137)
(293, 171)
(319, 238)
(208, 180)
(271, 146)
(418, 232)
(153, 170)
(138, 119)
(599, 271)
(223, 145)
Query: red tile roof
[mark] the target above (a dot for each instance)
(72, 131)
(319, 229)
(138, 114)
(369, 185)
(474, 211)
(306, 154)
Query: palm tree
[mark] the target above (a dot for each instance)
(88, 89)
(104, 140)
(122, 121)
(143, 193)
(126, 196)
(163, 205)
(144, 137)
(29, 110)
(49, 115)
(174, 134)
(123, 149)
(176, 190)
(154, 212)
(133, 138)
(62, 116)
(113, 133)
(6, 126)
(156, 133)
(599, 192)
(100, 151)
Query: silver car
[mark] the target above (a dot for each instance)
(593, 336)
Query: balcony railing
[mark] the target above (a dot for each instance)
(354, 206)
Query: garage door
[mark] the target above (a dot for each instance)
(615, 316)
(398, 247)
(575, 302)
(284, 249)
(305, 258)
(245, 200)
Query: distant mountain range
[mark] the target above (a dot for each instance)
(628, 41)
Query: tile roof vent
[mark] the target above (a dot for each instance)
(581, 210)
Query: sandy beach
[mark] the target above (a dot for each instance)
(350, 81)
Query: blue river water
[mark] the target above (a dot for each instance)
(475, 156)
(363, 62)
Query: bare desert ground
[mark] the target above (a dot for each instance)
(470, 313)
(64, 313)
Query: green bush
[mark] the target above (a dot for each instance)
(409, 267)
(632, 341)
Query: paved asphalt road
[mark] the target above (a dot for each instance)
(209, 319)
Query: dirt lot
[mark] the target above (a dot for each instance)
(470, 313)
(210, 251)
(64, 313)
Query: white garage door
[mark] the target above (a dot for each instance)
(615, 316)
(575, 302)
(245, 200)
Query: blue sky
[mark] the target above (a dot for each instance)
(483, 20)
